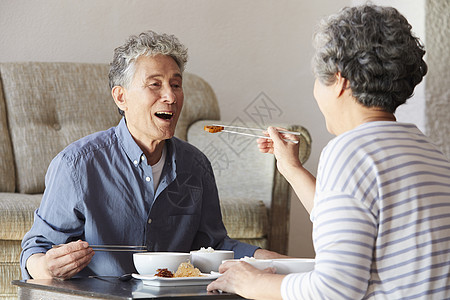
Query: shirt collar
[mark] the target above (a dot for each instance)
(171, 154)
(127, 142)
(132, 149)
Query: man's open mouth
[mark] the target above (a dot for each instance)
(164, 115)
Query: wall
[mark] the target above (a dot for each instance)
(244, 49)
(438, 79)
(413, 111)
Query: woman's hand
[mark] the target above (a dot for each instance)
(241, 278)
(63, 262)
(286, 153)
(289, 165)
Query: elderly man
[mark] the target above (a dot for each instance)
(134, 184)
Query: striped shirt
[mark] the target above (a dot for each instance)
(381, 218)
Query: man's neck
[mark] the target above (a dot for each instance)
(153, 151)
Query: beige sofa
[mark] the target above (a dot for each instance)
(46, 106)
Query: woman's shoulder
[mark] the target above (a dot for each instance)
(374, 133)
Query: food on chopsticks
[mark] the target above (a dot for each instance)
(185, 269)
(213, 129)
(221, 128)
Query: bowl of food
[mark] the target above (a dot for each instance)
(255, 262)
(148, 263)
(208, 260)
(293, 265)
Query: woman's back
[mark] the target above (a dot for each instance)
(382, 213)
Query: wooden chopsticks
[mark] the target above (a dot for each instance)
(114, 248)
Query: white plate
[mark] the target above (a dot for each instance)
(176, 281)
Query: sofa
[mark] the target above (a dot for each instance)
(46, 106)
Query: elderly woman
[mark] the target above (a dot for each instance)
(380, 204)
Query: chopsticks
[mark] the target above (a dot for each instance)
(257, 129)
(114, 248)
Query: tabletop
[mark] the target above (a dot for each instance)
(110, 288)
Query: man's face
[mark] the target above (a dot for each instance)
(153, 101)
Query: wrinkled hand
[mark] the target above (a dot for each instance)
(238, 277)
(69, 259)
(267, 254)
(286, 153)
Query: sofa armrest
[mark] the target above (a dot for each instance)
(242, 172)
(281, 204)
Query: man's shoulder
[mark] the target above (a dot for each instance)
(90, 144)
(191, 159)
(185, 149)
(184, 146)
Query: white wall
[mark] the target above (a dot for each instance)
(413, 111)
(242, 48)
(437, 89)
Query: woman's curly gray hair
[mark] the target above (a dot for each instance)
(372, 47)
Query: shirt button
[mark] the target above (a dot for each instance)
(143, 157)
(147, 179)
(135, 162)
(57, 126)
(149, 221)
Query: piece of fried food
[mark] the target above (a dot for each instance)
(186, 269)
(213, 129)
(164, 273)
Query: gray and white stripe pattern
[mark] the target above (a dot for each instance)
(381, 218)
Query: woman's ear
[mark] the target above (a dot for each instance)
(118, 93)
(342, 84)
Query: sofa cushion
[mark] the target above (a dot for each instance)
(9, 268)
(7, 174)
(244, 218)
(16, 214)
(49, 106)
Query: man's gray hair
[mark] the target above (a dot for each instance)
(148, 43)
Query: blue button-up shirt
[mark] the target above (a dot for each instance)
(100, 189)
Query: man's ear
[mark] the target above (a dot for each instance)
(342, 84)
(118, 93)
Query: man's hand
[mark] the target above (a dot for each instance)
(266, 254)
(62, 262)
